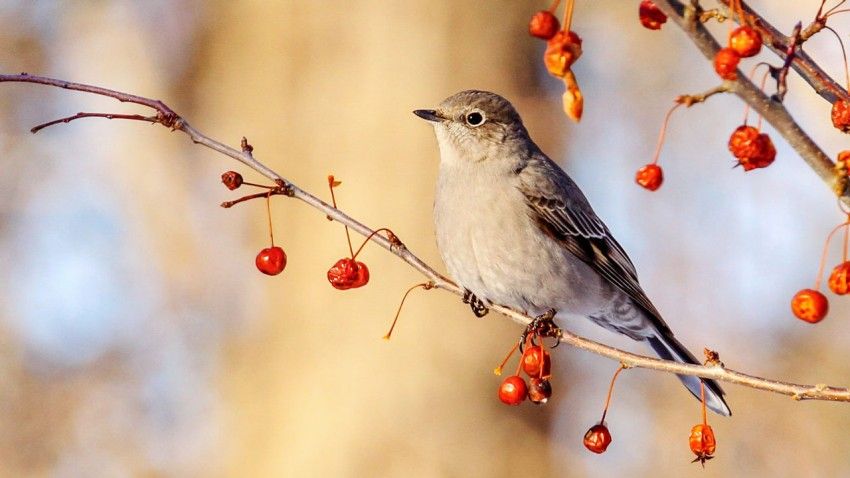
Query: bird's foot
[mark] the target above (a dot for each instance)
(542, 326)
(478, 306)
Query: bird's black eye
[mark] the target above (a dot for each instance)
(476, 118)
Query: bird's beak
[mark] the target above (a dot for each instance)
(429, 115)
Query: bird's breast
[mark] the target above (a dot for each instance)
(491, 245)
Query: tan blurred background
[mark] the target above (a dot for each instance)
(137, 339)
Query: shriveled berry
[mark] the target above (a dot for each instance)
(271, 261)
(745, 41)
(810, 306)
(231, 179)
(539, 390)
(513, 390)
(726, 63)
(650, 15)
(562, 50)
(650, 177)
(597, 438)
(841, 116)
(839, 279)
(536, 362)
(702, 441)
(752, 148)
(544, 25)
(348, 274)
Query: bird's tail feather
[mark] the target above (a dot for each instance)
(668, 348)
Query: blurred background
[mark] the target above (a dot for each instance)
(138, 339)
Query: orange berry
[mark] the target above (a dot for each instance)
(841, 116)
(650, 176)
(752, 148)
(702, 441)
(839, 279)
(745, 41)
(544, 25)
(513, 390)
(562, 50)
(650, 15)
(726, 63)
(597, 438)
(810, 306)
(536, 362)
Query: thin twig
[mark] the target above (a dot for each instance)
(149, 119)
(169, 118)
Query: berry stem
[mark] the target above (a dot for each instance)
(390, 237)
(498, 370)
(763, 82)
(555, 4)
(264, 186)
(269, 214)
(831, 11)
(610, 392)
(702, 401)
(331, 184)
(568, 15)
(663, 132)
(826, 250)
(424, 285)
(843, 56)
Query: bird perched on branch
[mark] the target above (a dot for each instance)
(514, 229)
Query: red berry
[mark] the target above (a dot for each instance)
(271, 261)
(562, 50)
(597, 438)
(702, 441)
(810, 305)
(348, 274)
(231, 180)
(544, 25)
(839, 279)
(841, 116)
(752, 148)
(650, 15)
(650, 177)
(539, 390)
(745, 41)
(513, 390)
(726, 63)
(536, 362)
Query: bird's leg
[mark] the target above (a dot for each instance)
(478, 306)
(542, 326)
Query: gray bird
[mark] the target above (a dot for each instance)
(514, 229)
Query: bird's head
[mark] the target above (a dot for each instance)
(476, 125)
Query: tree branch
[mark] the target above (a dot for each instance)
(169, 118)
(687, 18)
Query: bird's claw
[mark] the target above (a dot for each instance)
(478, 306)
(542, 326)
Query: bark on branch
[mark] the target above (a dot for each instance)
(167, 117)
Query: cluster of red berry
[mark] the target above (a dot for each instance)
(811, 305)
(346, 273)
(751, 148)
(536, 362)
(563, 48)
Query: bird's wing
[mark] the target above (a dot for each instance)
(582, 233)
